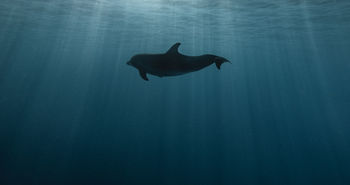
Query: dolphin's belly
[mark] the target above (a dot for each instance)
(167, 72)
(175, 66)
(170, 69)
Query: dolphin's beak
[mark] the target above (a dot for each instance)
(129, 63)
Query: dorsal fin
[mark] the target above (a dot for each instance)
(174, 48)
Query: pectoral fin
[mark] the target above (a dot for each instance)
(143, 75)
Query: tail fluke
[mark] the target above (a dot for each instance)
(220, 60)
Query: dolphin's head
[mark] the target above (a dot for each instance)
(135, 60)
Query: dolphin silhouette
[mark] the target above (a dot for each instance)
(172, 63)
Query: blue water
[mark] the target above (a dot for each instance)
(72, 111)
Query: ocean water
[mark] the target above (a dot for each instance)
(72, 111)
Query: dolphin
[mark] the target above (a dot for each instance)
(172, 63)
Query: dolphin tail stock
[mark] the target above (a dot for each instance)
(220, 60)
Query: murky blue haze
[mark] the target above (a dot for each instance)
(73, 112)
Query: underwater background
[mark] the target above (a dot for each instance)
(72, 111)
